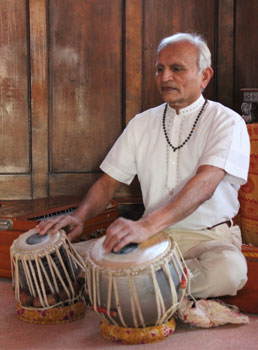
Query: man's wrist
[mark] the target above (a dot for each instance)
(79, 216)
(149, 225)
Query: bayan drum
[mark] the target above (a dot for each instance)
(142, 286)
(47, 274)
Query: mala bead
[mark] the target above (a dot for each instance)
(191, 132)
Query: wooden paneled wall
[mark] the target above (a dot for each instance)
(73, 73)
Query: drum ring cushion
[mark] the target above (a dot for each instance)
(54, 315)
(146, 335)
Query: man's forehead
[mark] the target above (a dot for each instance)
(177, 53)
(170, 62)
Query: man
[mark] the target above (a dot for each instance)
(191, 156)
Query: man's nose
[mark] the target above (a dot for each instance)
(166, 75)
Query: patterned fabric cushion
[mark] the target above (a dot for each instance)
(144, 335)
(208, 313)
(54, 315)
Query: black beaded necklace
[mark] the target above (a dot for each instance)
(191, 132)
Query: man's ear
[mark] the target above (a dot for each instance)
(207, 74)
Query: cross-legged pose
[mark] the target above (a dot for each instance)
(191, 156)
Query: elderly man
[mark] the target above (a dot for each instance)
(191, 156)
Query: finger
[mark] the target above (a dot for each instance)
(52, 226)
(43, 228)
(64, 223)
(112, 237)
(74, 233)
(116, 241)
(122, 243)
(41, 225)
(114, 231)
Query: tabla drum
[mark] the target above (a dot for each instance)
(48, 274)
(144, 286)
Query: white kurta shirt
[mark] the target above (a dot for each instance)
(219, 139)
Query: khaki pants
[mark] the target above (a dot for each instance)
(213, 256)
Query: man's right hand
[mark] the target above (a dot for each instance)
(96, 200)
(71, 224)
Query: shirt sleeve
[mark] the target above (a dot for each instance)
(229, 148)
(120, 162)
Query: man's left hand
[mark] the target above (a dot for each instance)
(123, 231)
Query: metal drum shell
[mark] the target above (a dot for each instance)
(113, 290)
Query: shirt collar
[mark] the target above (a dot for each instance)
(188, 109)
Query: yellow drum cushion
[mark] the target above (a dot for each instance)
(53, 315)
(144, 335)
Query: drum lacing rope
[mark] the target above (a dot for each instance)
(94, 297)
(186, 276)
(52, 266)
(173, 292)
(94, 301)
(134, 298)
(12, 265)
(132, 301)
(59, 276)
(88, 281)
(98, 295)
(42, 285)
(52, 273)
(35, 280)
(171, 256)
(71, 263)
(29, 280)
(77, 257)
(35, 284)
(118, 306)
(66, 275)
(110, 283)
(159, 300)
(17, 278)
(43, 299)
(175, 303)
(47, 277)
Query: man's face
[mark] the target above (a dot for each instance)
(177, 75)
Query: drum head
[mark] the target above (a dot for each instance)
(146, 253)
(32, 241)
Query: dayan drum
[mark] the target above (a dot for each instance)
(139, 288)
(48, 274)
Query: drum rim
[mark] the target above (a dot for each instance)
(168, 255)
(20, 248)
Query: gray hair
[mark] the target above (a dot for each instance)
(197, 40)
